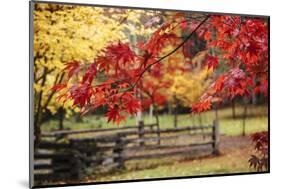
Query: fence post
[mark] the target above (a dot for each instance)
(118, 149)
(151, 127)
(76, 161)
(158, 134)
(141, 132)
(215, 137)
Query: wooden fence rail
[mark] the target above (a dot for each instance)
(88, 131)
(75, 157)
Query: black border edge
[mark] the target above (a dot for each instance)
(152, 179)
(31, 107)
(143, 8)
(31, 137)
(268, 96)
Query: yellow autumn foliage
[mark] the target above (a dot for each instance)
(188, 86)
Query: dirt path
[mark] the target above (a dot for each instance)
(233, 142)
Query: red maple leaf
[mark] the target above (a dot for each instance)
(81, 94)
(132, 105)
(158, 40)
(201, 106)
(72, 68)
(207, 35)
(120, 53)
(114, 115)
(103, 63)
(59, 87)
(262, 88)
(219, 83)
(90, 74)
(183, 24)
(212, 62)
(99, 98)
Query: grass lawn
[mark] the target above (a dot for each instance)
(257, 120)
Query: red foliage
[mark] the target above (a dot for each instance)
(227, 86)
(241, 41)
(243, 45)
(262, 88)
(259, 161)
(132, 104)
(115, 92)
(201, 106)
(81, 94)
(103, 63)
(72, 68)
(158, 40)
(152, 91)
(120, 53)
(116, 56)
(114, 115)
(212, 62)
(90, 74)
(58, 87)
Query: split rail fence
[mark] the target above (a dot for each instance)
(66, 155)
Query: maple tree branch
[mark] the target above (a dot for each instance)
(172, 52)
(43, 75)
(58, 79)
(132, 86)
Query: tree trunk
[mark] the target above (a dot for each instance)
(233, 108)
(193, 123)
(139, 113)
(37, 120)
(216, 112)
(151, 113)
(38, 113)
(61, 117)
(200, 119)
(244, 120)
(254, 96)
(157, 123)
(78, 118)
(170, 108)
(40, 107)
(175, 119)
(176, 114)
(37, 132)
(138, 117)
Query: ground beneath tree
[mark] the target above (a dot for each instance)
(228, 143)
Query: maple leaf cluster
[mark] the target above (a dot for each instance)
(116, 78)
(122, 70)
(243, 45)
(226, 86)
(114, 92)
(158, 39)
(202, 106)
(259, 161)
(153, 91)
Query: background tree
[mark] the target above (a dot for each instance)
(188, 85)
